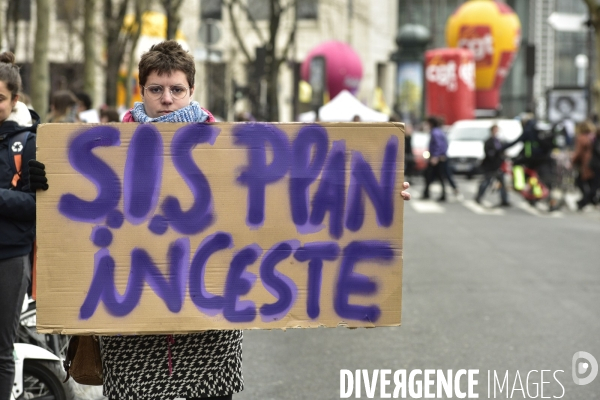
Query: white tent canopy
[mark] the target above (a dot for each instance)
(342, 108)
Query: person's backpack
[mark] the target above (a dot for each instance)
(546, 139)
(16, 146)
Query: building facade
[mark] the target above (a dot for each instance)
(369, 27)
(550, 54)
(206, 29)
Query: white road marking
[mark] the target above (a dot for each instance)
(479, 209)
(427, 207)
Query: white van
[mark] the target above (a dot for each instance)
(466, 139)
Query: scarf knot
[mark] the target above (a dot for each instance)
(191, 113)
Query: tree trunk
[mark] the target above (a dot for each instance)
(141, 6)
(1, 21)
(12, 25)
(112, 73)
(271, 63)
(115, 48)
(596, 84)
(172, 8)
(39, 73)
(89, 48)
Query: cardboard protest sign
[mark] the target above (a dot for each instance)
(173, 228)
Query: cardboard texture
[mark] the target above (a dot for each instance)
(174, 228)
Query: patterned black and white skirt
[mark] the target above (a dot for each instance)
(207, 364)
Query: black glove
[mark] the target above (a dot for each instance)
(37, 176)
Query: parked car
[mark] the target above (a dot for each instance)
(466, 139)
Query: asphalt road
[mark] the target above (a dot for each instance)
(509, 291)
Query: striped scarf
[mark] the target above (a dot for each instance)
(191, 113)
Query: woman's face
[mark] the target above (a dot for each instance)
(6, 102)
(168, 85)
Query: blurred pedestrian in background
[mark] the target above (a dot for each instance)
(109, 114)
(63, 107)
(450, 177)
(491, 166)
(84, 102)
(85, 112)
(438, 146)
(594, 183)
(582, 157)
(409, 158)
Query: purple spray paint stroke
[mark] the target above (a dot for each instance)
(158, 225)
(200, 215)
(293, 246)
(214, 134)
(196, 279)
(352, 283)
(143, 173)
(172, 291)
(257, 174)
(308, 228)
(381, 193)
(331, 192)
(103, 289)
(309, 151)
(250, 277)
(115, 219)
(239, 284)
(315, 253)
(108, 184)
(101, 236)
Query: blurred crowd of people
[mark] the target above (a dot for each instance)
(68, 106)
(552, 158)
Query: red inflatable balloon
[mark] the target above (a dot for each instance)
(343, 67)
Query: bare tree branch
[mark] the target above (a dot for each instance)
(40, 80)
(292, 34)
(141, 6)
(235, 30)
(255, 27)
(173, 18)
(89, 60)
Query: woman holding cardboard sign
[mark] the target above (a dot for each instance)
(197, 365)
(19, 178)
(173, 366)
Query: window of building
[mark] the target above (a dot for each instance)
(259, 10)
(307, 9)
(211, 9)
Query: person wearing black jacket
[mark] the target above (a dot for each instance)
(17, 211)
(491, 166)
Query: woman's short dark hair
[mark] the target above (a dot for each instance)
(164, 58)
(433, 121)
(9, 73)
